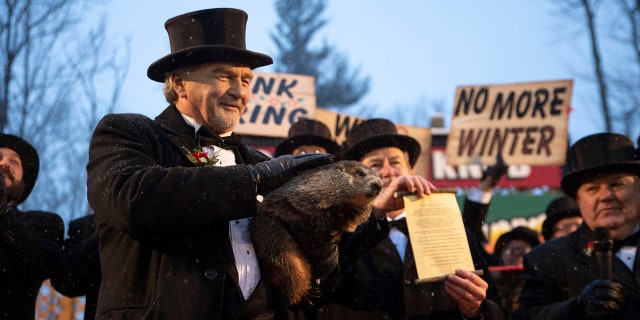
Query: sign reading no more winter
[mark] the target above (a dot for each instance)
(525, 122)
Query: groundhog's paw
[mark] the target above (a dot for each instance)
(313, 294)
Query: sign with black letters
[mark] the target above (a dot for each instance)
(525, 122)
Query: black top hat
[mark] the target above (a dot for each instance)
(212, 35)
(525, 234)
(307, 132)
(596, 155)
(378, 133)
(29, 158)
(558, 209)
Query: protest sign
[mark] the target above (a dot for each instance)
(276, 101)
(341, 124)
(525, 122)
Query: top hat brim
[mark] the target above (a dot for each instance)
(571, 182)
(205, 54)
(288, 145)
(402, 142)
(527, 235)
(29, 158)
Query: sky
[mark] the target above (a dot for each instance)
(416, 52)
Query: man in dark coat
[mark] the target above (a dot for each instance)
(30, 241)
(78, 272)
(571, 277)
(382, 284)
(173, 196)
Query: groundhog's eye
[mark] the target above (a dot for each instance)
(360, 173)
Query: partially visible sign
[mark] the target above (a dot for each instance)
(276, 101)
(521, 176)
(341, 124)
(525, 122)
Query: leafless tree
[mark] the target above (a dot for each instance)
(47, 61)
(337, 86)
(612, 29)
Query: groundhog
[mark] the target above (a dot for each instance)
(298, 226)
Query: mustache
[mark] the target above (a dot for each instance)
(6, 172)
(233, 103)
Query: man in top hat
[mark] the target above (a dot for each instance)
(381, 285)
(173, 196)
(511, 246)
(563, 218)
(582, 275)
(30, 241)
(308, 136)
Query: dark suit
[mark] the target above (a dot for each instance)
(163, 223)
(381, 286)
(30, 244)
(78, 273)
(557, 271)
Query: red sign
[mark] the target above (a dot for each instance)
(518, 176)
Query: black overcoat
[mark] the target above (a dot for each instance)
(78, 272)
(163, 223)
(381, 286)
(30, 246)
(557, 271)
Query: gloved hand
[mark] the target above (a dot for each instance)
(271, 174)
(601, 299)
(491, 176)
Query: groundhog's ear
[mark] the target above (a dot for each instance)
(341, 167)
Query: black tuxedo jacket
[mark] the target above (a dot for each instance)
(30, 245)
(78, 273)
(381, 286)
(163, 224)
(557, 271)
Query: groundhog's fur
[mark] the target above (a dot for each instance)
(298, 226)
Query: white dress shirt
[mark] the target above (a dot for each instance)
(398, 238)
(239, 234)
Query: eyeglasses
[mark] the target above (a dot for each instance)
(567, 227)
(521, 251)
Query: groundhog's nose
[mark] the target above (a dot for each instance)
(375, 187)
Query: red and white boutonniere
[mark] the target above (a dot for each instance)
(199, 157)
(589, 249)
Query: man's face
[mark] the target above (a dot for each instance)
(611, 201)
(388, 163)
(11, 166)
(566, 226)
(513, 252)
(215, 94)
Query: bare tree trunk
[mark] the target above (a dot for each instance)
(47, 102)
(597, 63)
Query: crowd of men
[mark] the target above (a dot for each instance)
(174, 196)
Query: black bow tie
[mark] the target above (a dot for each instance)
(631, 240)
(400, 224)
(206, 138)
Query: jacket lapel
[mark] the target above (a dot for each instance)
(179, 132)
